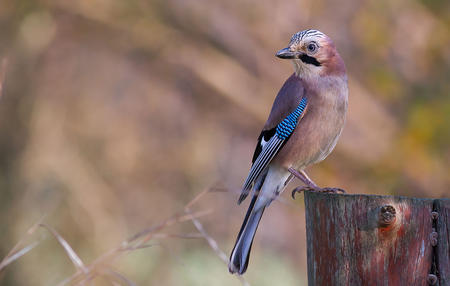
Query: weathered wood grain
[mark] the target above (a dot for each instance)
(443, 245)
(373, 240)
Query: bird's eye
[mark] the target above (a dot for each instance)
(312, 47)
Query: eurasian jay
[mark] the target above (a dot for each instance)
(303, 127)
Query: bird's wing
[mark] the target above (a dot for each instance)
(270, 142)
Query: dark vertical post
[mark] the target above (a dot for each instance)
(443, 240)
(375, 240)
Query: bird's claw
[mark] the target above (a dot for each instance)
(300, 189)
(319, 190)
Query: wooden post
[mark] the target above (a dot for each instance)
(377, 240)
(442, 208)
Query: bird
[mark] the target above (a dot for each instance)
(303, 127)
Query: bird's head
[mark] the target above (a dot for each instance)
(313, 54)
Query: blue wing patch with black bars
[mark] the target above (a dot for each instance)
(287, 126)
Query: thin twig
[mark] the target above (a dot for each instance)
(7, 260)
(117, 276)
(131, 248)
(214, 245)
(17, 251)
(172, 220)
(100, 266)
(137, 241)
(197, 198)
(175, 235)
(69, 250)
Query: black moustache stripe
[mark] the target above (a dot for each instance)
(309, 60)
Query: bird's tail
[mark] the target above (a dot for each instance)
(241, 251)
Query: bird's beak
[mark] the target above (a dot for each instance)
(287, 54)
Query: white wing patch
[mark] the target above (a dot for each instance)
(263, 142)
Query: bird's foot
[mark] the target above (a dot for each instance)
(316, 189)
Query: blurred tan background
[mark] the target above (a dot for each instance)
(114, 114)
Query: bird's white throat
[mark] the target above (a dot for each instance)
(304, 70)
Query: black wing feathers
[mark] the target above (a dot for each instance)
(266, 134)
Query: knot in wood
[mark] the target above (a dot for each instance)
(387, 215)
(432, 279)
(434, 238)
(434, 215)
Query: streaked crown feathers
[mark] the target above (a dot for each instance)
(299, 36)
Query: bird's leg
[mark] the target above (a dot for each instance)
(303, 177)
(310, 185)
